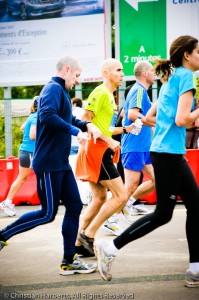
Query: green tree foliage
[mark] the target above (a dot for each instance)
(1, 93)
(24, 92)
(87, 88)
(17, 135)
(2, 137)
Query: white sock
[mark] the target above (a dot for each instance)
(8, 201)
(113, 218)
(111, 248)
(130, 201)
(194, 267)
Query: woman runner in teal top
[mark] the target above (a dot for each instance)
(26, 150)
(173, 176)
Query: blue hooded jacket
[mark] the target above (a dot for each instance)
(55, 125)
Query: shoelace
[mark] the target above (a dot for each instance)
(10, 206)
(114, 221)
(108, 263)
(2, 205)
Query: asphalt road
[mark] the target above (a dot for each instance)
(151, 268)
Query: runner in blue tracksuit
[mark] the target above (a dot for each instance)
(55, 179)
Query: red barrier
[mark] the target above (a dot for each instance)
(9, 169)
(192, 156)
(8, 173)
(28, 192)
(150, 198)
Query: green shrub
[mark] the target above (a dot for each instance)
(17, 136)
(2, 137)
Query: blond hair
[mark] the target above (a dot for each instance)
(33, 107)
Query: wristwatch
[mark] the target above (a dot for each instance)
(124, 129)
(88, 122)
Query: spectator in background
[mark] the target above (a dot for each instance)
(25, 158)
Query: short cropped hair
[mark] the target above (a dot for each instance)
(141, 66)
(108, 64)
(68, 61)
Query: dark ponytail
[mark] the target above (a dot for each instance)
(179, 46)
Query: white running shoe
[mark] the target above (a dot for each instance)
(111, 226)
(9, 209)
(77, 266)
(191, 279)
(105, 260)
(140, 209)
(126, 213)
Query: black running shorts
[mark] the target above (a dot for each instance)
(25, 159)
(108, 169)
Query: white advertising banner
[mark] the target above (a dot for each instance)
(145, 29)
(182, 19)
(30, 49)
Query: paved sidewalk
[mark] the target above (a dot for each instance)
(151, 268)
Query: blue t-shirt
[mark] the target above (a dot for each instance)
(137, 98)
(168, 137)
(28, 144)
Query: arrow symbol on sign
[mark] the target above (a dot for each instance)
(134, 3)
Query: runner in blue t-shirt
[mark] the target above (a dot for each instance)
(135, 148)
(25, 158)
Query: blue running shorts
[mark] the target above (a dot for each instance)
(135, 161)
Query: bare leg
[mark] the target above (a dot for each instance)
(99, 197)
(132, 179)
(21, 178)
(109, 207)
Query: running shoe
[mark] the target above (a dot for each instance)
(3, 244)
(82, 251)
(126, 213)
(77, 266)
(140, 209)
(111, 226)
(9, 209)
(191, 279)
(104, 260)
(86, 242)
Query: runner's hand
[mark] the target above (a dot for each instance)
(93, 131)
(82, 137)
